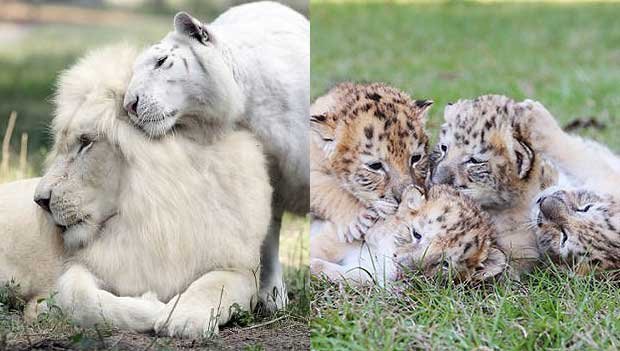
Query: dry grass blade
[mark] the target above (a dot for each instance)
(6, 155)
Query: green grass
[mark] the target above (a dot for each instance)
(547, 310)
(564, 55)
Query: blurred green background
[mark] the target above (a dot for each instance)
(564, 54)
(39, 38)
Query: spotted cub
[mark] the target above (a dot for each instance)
(445, 232)
(578, 220)
(368, 143)
(580, 228)
(485, 151)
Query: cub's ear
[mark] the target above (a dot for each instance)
(494, 264)
(413, 197)
(323, 128)
(524, 157)
(188, 25)
(423, 105)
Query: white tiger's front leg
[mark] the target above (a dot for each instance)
(207, 304)
(272, 293)
(80, 296)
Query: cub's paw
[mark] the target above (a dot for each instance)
(357, 229)
(187, 321)
(540, 123)
(385, 207)
(317, 266)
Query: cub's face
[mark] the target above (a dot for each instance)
(184, 75)
(483, 151)
(374, 141)
(447, 233)
(578, 227)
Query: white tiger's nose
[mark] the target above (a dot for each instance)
(131, 104)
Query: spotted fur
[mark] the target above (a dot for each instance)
(368, 144)
(579, 228)
(445, 233)
(485, 151)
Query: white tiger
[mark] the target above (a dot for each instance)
(250, 69)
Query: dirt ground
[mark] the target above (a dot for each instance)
(286, 334)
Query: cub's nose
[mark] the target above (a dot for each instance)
(131, 104)
(43, 200)
(442, 175)
(553, 208)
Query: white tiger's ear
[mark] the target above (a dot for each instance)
(185, 24)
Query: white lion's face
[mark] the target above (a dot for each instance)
(183, 75)
(82, 185)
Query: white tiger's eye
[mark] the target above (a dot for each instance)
(161, 61)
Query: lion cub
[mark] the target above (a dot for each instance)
(485, 151)
(578, 221)
(446, 232)
(367, 144)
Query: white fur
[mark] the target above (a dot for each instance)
(30, 245)
(582, 163)
(251, 68)
(190, 219)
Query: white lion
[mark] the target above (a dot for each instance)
(171, 218)
(30, 245)
(250, 69)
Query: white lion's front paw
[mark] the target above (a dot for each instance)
(187, 321)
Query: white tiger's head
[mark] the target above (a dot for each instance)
(185, 77)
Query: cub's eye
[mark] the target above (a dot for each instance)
(415, 234)
(564, 238)
(161, 61)
(415, 159)
(444, 148)
(584, 209)
(375, 166)
(85, 143)
(327, 140)
(474, 161)
(445, 264)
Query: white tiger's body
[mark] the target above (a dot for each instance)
(250, 69)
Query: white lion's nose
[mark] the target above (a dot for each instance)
(131, 104)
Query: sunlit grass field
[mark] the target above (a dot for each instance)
(566, 55)
(31, 57)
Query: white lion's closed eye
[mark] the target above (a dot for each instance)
(86, 143)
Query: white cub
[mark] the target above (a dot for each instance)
(249, 69)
